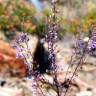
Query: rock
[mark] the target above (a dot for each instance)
(2, 36)
(84, 93)
(6, 91)
(8, 61)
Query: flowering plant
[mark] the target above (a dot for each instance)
(22, 45)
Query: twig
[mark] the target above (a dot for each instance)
(79, 63)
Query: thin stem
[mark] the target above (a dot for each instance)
(79, 63)
(74, 74)
(39, 88)
(70, 62)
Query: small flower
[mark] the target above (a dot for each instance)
(80, 44)
(23, 37)
(42, 40)
(51, 56)
(92, 45)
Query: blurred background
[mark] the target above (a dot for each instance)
(31, 16)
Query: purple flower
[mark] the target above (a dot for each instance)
(19, 55)
(23, 37)
(22, 49)
(91, 45)
(80, 44)
(51, 56)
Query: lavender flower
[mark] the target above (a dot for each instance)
(23, 37)
(33, 87)
(92, 41)
(80, 43)
(23, 50)
(91, 45)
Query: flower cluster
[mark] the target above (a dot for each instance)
(23, 37)
(34, 88)
(51, 39)
(91, 45)
(52, 34)
(92, 41)
(88, 43)
(23, 50)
